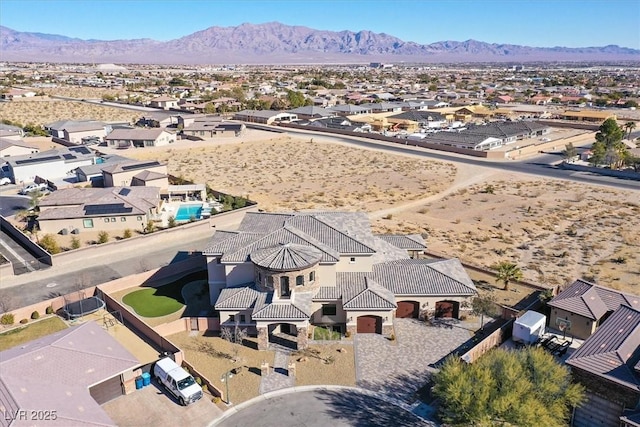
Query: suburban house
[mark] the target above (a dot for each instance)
(509, 132)
(164, 102)
(608, 365)
(212, 128)
(78, 131)
(11, 132)
(465, 140)
(93, 173)
(11, 147)
(74, 210)
(50, 164)
(281, 274)
(17, 93)
(424, 118)
(587, 115)
(135, 173)
(266, 117)
(158, 119)
(72, 372)
(339, 123)
(310, 112)
(350, 109)
(125, 138)
(583, 306)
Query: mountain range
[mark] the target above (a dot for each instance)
(276, 43)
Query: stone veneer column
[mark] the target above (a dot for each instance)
(303, 338)
(263, 338)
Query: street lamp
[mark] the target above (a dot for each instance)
(225, 379)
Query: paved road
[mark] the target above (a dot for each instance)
(539, 165)
(50, 283)
(321, 408)
(9, 205)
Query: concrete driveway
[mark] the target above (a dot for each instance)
(399, 368)
(152, 406)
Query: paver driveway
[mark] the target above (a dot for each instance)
(400, 368)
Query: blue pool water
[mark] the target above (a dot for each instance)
(186, 212)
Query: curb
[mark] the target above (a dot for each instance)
(235, 409)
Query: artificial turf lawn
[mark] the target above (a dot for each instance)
(152, 302)
(30, 332)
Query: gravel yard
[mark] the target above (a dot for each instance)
(313, 370)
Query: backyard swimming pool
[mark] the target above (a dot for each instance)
(188, 212)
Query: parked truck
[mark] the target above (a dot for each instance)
(177, 381)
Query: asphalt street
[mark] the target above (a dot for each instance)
(321, 408)
(9, 205)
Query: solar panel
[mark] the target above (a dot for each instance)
(69, 156)
(81, 150)
(124, 191)
(139, 166)
(37, 159)
(107, 209)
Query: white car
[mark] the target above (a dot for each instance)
(5, 181)
(34, 187)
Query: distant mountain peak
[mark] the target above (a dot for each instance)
(274, 42)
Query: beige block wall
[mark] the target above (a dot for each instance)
(581, 327)
(179, 325)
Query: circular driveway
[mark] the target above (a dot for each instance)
(320, 408)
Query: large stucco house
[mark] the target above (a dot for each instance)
(280, 274)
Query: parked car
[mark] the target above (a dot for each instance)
(177, 381)
(34, 187)
(5, 181)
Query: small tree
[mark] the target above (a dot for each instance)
(506, 272)
(103, 237)
(48, 243)
(226, 333)
(483, 305)
(570, 152)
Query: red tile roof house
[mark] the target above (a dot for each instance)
(584, 306)
(66, 375)
(608, 364)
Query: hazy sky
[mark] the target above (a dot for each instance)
(547, 23)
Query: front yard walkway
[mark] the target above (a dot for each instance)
(399, 368)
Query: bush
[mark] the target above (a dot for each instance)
(48, 243)
(75, 243)
(35, 315)
(172, 221)
(23, 321)
(205, 389)
(347, 334)
(103, 237)
(49, 310)
(198, 380)
(126, 234)
(7, 319)
(216, 400)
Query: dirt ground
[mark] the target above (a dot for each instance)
(333, 364)
(212, 357)
(555, 230)
(42, 110)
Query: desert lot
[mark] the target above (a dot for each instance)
(555, 230)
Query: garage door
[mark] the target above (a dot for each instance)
(106, 391)
(369, 325)
(444, 309)
(408, 309)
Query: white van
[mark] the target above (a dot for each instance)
(177, 381)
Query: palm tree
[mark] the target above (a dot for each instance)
(506, 272)
(629, 126)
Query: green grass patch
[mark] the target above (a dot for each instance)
(31, 332)
(150, 302)
(320, 333)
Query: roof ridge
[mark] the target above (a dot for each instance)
(311, 240)
(313, 215)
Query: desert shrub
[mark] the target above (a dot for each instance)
(75, 243)
(347, 334)
(7, 319)
(216, 400)
(49, 310)
(205, 388)
(48, 243)
(23, 321)
(126, 234)
(35, 315)
(103, 237)
(172, 221)
(198, 380)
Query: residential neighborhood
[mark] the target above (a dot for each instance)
(347, 231)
